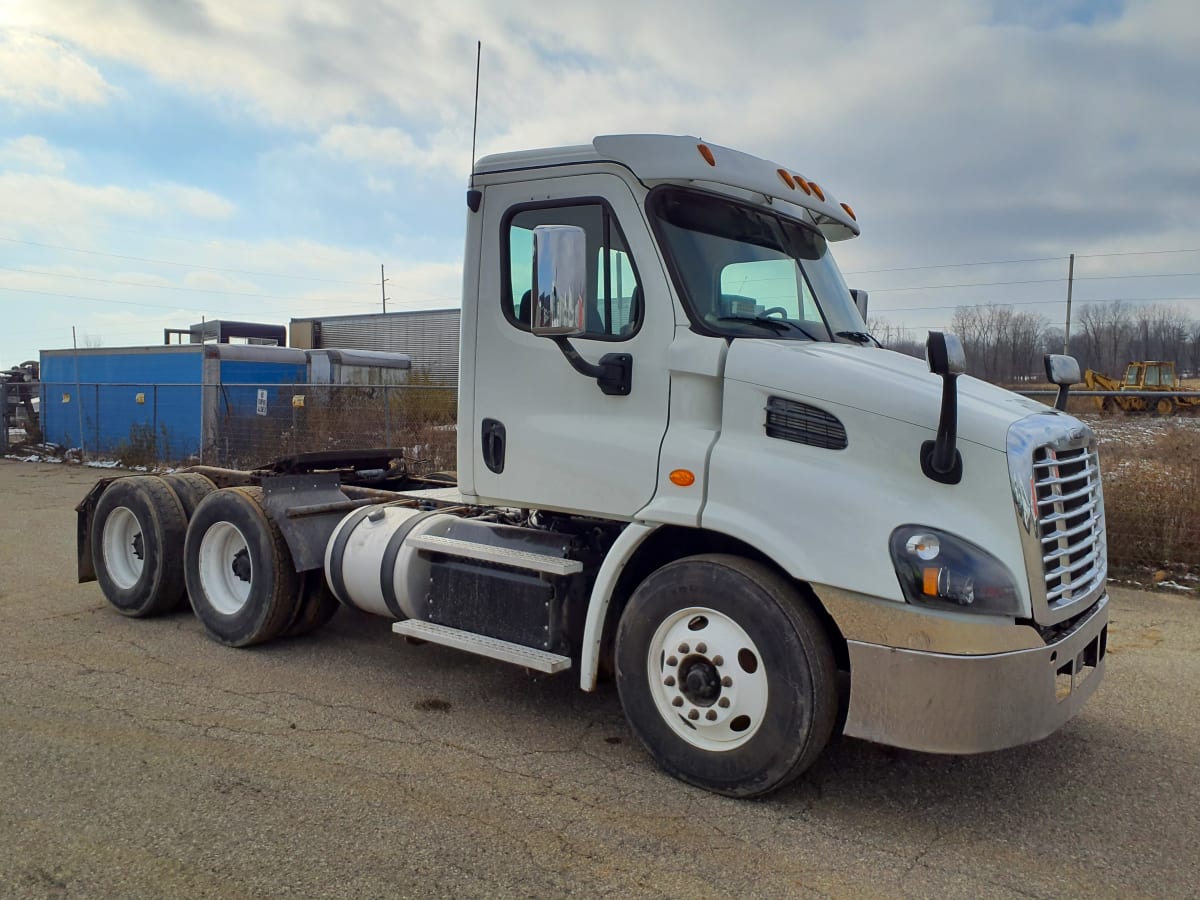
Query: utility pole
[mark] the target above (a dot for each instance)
(1070, 284)
(383, 281)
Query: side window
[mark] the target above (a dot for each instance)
(614, 304)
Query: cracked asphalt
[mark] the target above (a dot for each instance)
(139, 759)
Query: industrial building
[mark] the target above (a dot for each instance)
(429, 337)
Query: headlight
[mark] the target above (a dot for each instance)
(943, 571)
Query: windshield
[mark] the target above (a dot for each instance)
(745, 271)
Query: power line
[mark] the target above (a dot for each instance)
(186, 265)
(934, 287)
(1046, 303)
(177, 308)
(1008, 262)
(172, 287)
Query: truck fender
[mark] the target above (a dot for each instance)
(619, 554)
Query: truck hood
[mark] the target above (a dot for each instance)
(881, 382)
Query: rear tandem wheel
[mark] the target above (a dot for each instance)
(137, 530)
(240, 577)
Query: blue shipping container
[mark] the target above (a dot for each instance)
(170, 398)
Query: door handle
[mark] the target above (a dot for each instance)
(493, 445)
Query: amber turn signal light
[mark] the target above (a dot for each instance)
(683, 478)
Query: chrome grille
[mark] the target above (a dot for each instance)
(1070, 522)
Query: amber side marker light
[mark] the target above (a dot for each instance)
(849, 211)
(683, 478)
(929, 581)
(706, 153)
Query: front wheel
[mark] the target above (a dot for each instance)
(726, 675)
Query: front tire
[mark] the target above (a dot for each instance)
(240, 577)
(726, 675)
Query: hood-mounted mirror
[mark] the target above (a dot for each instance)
(940, 459)
(1064, 371)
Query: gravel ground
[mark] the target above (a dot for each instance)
(138, 759)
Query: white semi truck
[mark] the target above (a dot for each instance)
(682, 463)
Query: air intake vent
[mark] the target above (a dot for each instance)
(804, 424)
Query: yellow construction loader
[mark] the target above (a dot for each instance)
(1156, 375)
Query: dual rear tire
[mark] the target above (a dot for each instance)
(159, 541)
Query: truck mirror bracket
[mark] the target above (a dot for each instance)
(614, 373)
(940, 459)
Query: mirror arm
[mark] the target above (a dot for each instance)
(943, 457)
(614, 372)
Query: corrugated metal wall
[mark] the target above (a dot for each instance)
(430, 337)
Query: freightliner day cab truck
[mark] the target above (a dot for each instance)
(682, 463)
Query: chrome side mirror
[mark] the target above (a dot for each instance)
(559, 281)
(944, 354)
(1064, 371)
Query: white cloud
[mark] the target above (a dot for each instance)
(32, 152)
(38, 72)
(33, 199)
(195, 201)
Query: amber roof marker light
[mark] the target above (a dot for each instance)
(816, 189)
(707, 154)
(787, 178)
(849, 211)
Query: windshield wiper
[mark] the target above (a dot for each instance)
(776, 325)
(860, 337)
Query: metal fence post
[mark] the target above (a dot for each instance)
(387, 417)
(3, 417)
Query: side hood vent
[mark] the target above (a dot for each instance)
(804, 424)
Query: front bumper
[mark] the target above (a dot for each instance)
(943, 703)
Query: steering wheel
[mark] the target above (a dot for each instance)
(783, 313)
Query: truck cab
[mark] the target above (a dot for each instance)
(684, 462)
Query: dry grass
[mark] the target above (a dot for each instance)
(1152, 502)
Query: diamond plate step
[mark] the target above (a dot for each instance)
(520, 559)
(482, 645)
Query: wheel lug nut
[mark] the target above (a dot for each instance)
(672, 661)
(702, 648)
(718, 660)
(693, 713)
(683, 648)
(726, 681)
(678, 701)
(669, 681)
(711, 715)
(723, 703)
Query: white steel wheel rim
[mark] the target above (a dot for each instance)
(124, 547)
(224, 560)
(688, 650)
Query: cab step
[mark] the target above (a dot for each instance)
(482, 645)
(518, 559)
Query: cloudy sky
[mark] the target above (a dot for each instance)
(165, 161)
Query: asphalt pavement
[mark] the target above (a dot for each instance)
(139, 759)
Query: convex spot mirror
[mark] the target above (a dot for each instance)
(559, 280)
(944, 353)
(1062, 370)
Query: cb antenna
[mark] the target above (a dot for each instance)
(474, 197)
